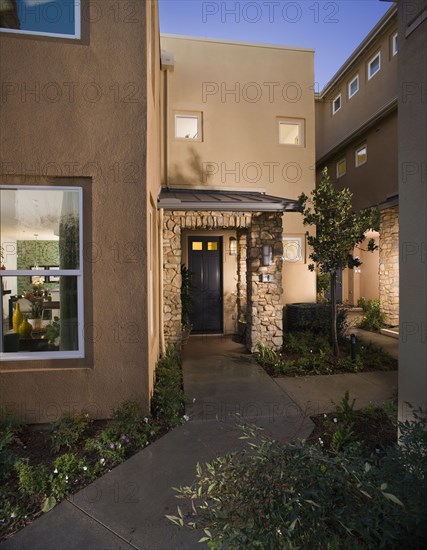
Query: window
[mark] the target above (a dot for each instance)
(212, 245)
(196, 245)
(361, 155)
(341, 168)
(353, 87)
(188, 126)
(394, 45)
(59, 18)
(291, 132)
(374, 65)
(42, 283)
(336, 104)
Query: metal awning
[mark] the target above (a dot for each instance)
(239, 201)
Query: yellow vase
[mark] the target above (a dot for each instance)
(24, 329)
(17, 318)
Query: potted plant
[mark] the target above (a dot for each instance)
(186, 303)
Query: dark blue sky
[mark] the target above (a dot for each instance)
(333, 28)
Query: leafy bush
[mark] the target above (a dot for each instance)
(69, 430)
(316, 319)
(373, 318)
(8, 431)
(168, 398)
(67, 468)
(32, 480)
(302, 496)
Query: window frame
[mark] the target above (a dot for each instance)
(356, 78)
(78, 273)
(335, 111)
(345, 167)
(378, 54)
(356, 164)
(189, 114)
(300, 122)
(77, 27)
(394, 44)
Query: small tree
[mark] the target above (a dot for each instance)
(338, 231)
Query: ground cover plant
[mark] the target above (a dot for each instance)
(373, 318)
(331, 493)
(307, 353)
(39, 466)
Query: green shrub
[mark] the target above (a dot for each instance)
(33, 480)
(69, 430)
(275, 496)
(317, 319)
(8, 430)
(67, 468)
(168, 398)
(373, 318)
(109, 448)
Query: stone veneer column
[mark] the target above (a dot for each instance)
(265, 316)
(172, 254)
(389, 264)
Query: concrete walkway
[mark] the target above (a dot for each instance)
(125, 509)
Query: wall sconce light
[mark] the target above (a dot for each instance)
(233, 246)
(267, 254)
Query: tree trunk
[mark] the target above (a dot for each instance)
(334, 314)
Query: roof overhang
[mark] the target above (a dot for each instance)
(231, 201)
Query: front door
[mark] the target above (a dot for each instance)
(204, 264)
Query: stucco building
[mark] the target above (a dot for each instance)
(356, 139)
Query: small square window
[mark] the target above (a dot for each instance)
(291, 132)
(361, 155)
(336, 104)
(196, 245)
(341, 168)
(188, 126)
(394, 45)
(212, 245)
(353, 86)
(374, 65)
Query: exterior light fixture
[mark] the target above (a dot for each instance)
(267, 254)
(233, 246)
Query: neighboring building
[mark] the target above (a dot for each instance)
(80, 177)
(356, 138)
(239, 138)
(412, 157)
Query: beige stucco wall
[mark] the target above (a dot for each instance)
(105, 142)
(373, 95)
(240, 147)
(412, 208)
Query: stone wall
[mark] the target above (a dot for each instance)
(389, 264)
(260, 301)
(265, 315)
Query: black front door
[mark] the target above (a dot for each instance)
(204, 264)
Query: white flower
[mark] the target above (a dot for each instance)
(325, 416)
(13, 515)
(102, 461)
(279, 532)
(55, 471)
(84, 468)
(145, 419)
(335, 420)
(194, 399)
(320, 440)
(186, 417)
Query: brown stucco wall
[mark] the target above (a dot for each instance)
(99, 134)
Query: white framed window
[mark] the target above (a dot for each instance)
(56, 18)
(336, 104)
(291, 131)
(361, 155)
(341, 168)
(374, 65)
(42, 246)
(394, 45)
(353, 87)
(188, 126)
